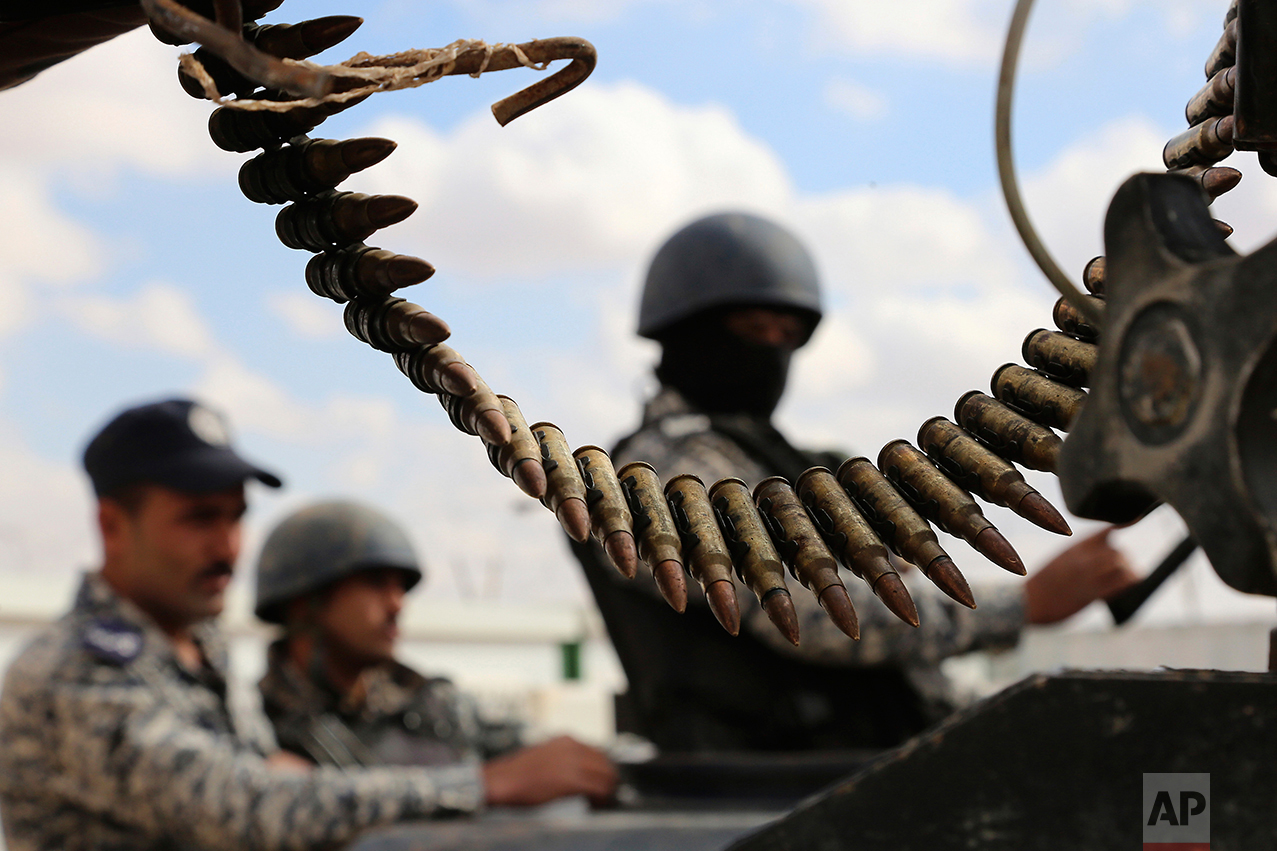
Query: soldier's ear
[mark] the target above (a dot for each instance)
(112, 522)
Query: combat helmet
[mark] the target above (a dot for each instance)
(727, 258)
(322, 543)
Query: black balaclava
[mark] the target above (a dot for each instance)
(717, 371)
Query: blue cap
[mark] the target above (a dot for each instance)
(178, 443)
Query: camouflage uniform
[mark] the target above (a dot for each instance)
(399, 718)
(110, 743)
(675, 438)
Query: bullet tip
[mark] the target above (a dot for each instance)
(530, 477)
(780, 610)
(426, 329)
(459, 379)
(386, 210)
(1035, 508)
(405, 271)
(721, 596)
(493, 427)
(621, 550)
(991, 544)
(946, 576)
(574, 517)
(669, 579)
(837, 604)
(894, 594)
(359, 154)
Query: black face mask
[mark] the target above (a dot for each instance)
(720, 373)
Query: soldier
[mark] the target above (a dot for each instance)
(114, 720)
(730, 298)
(334, 575)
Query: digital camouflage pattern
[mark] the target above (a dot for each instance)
(110, 743)
(399, 718)
(675, 438)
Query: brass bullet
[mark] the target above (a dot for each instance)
(658, 542)
(480, 413)
(241, 130)
(361, 272)
(1202, 144)
(1071, 321)
(288, 41)
(945, 574)
(991, 544)
(1215, 98)
(1093, 275)
(1007, 433)
(779, 607)
(803, 549)
(944, 503)
(437, 369)
(296, 172)
(520, 457)
(1214, 180)
(250, 10)
(338, 219)
(1224, 227)
(610, 518)
(565, 492)
(853, 540)
(1065, 359)
(302, 40)
(901, 527)
(1039, 398)
(754, 557)
(704, 549)
(393, 324)
(1224, 53)
(721, 596)
(986, 474)
(837, 605)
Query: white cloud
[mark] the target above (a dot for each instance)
(596, 183)
(159, 315)
(116, 105)
(39, 246)
(306, 315)
(961, 31)
(1069, 198)
(855, 99)
(45, 513)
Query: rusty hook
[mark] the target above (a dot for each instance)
(544, 51)
(538, 52)
(225, 39)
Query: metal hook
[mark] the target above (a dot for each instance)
(544, 51)
(541, 52)
(225, 39)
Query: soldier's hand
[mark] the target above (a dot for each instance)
(553, 769)
(1090, 570)
(289, 762)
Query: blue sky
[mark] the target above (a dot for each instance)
(132, 268)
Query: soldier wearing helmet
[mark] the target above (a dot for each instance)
(115, 720)
(334, 576)
(730, 298)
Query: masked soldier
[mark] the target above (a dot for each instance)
(730, 298)
(115, 724)
(334, 575)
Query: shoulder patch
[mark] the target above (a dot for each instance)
(113, 641)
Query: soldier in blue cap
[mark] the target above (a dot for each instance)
(115, 724)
